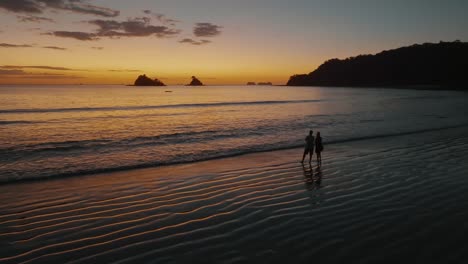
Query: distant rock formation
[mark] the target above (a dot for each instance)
(251, 83)
(195, 82)
(434, 65)
(143, 80)
(265, 83)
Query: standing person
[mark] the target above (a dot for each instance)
(318, 148)
(309, 146)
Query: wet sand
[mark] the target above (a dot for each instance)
(372, 201)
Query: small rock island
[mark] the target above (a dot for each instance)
(144, 80)
(251, 83)
(195, 82)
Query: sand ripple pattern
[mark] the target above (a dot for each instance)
(373, 200)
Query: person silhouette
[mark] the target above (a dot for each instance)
(309, 146)
(318, 148)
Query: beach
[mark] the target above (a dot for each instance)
(373, 200)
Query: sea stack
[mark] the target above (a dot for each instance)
(195, 82)
(144, 80)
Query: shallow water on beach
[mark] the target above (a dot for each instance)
(384, 200)
(53, 131)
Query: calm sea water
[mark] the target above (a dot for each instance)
(53, 131)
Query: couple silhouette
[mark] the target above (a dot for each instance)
(312, 143)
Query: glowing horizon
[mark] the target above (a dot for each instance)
(221, 42)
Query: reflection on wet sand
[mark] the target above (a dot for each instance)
(313, 179)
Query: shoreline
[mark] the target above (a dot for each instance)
(298, 149)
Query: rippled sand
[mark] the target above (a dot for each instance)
(389, 199)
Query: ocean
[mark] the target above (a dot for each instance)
(72, 130)
(391, 187)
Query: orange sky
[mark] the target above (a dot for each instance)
(223, 62)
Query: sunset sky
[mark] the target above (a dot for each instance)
(219, 41)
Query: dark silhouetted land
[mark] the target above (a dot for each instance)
(265, 83)
(143, 80)
(434, 65)
(195, 82)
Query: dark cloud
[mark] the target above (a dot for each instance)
(74, 34)
(136, 27)
(21, 73)
(98, 48)
(40, 6)
(21, 6)
(17, 67)
(54, 48)
(11, 72)
(162, 18)
(165, 20)
(29, 75)
(6, 45)
(206, 30)
(195, 42)
(85, 8)
(34, 19)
